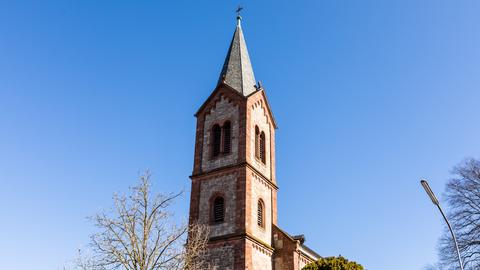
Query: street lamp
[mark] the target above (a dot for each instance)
(435, 202)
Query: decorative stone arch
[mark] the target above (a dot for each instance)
(211, 105)
(260, 104)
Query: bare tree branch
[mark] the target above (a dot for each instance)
(463, 198)
(139, 234)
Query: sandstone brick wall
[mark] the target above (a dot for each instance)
(225, 186)
(261, 257)
(222, 111)
(258, 117)
(289, 254)
(260, 189)
(240, 178)
(304, 261)
(284, 256)
(228, 254)
(222, 257)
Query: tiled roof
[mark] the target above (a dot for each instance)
(237, 70)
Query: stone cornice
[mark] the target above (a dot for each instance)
(228, 169)
(235, 236)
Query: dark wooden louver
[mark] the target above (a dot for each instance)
(218, 210)
(260, 214)
(217, 135)
(227, 136)
(257, 143)
(262, 147)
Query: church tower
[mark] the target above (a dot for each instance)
(234, 189)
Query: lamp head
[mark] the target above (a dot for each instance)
(429, 192)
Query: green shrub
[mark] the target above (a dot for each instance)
(333, 263)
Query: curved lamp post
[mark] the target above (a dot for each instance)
(435, 202)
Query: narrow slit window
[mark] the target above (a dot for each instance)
(227, 137)
(218, 209)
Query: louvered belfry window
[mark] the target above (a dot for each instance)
(262, 147)
(227, 137)
(218, 209)
(260, 213)
(257, 142)
(216, 137)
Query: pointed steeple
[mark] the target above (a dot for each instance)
(237, 70)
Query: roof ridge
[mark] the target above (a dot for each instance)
(240, 34)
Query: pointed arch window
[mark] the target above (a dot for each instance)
(216, 137)
(218, 210)
(257, 142)
(262, 147)
(227, 137)
(261, 213)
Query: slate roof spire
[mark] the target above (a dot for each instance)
(237, 70)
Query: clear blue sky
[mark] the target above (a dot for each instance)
(369, 97)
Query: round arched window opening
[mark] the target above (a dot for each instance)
(261, 213)
(218, 210)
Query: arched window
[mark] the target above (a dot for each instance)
(260, 213)
(262, 147)
(216, 137)
(227, 137)
(218, 209)
(257, 142)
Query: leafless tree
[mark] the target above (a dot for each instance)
(463, 198)
(436, 266)
(139, 234)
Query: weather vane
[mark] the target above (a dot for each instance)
(239, 9)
